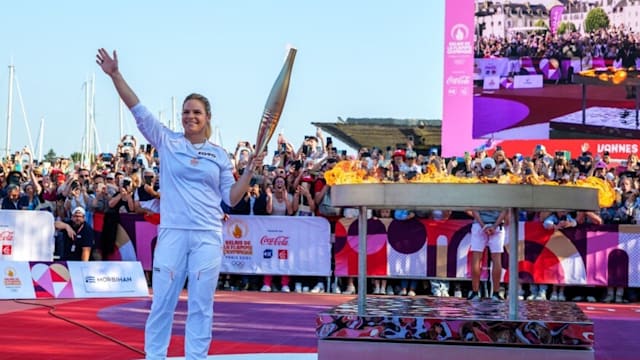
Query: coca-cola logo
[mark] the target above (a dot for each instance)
(281, 240)
(459, 80)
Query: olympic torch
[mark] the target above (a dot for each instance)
(275, 103)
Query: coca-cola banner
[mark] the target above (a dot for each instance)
(605, 255)
(278, 245)
(26, 235)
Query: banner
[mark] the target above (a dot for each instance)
(555, 16)
(606, 255)
(26, 235)
(278, 245)
(457, 94)
(71, 279)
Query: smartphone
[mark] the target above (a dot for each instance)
(155, 153)
(148, 149)
(305, 149)
(283, 148)
(329, 140)
(141, 148)
(343, 152)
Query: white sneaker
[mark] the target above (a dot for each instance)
(298, 287)
(390, 290)
(350, 290)
(457, 293)
(285, 289)
(591, 299)
(305, 289)
(554, 296)
(437, 292)
(376, 291)
(403, 292)
(266, 288)
(411, 293)
(609, 298)
(336, 289)
(561, 297)
(319, 288)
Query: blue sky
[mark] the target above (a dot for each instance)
(355, 59)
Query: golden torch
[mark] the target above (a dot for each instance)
(275, 103)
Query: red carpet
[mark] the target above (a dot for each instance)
(245, 322)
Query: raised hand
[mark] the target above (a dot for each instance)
(108, 64)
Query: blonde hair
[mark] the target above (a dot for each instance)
(207, 108)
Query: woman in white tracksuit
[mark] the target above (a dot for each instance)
(196, 176)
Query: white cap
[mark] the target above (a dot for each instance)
(488, 162)
(79, 209)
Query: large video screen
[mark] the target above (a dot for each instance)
(520, 74)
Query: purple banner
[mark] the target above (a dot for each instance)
(555, 15)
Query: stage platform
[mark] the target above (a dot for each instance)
(450, 326)
(256, 325)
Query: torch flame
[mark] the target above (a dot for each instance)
(351, 172)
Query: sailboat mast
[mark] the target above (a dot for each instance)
(9, 112)
(40, 139)
(121, 118)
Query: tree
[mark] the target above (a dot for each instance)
(76, 157)
(50, 156)
(541, 23)
(566, 27)
(596, 19)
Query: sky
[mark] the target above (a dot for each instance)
(357, 58)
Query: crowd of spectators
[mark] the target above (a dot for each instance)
(602, 43)
(294, 185)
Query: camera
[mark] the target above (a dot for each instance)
(148, 180)
(126, 183)
(107, 157)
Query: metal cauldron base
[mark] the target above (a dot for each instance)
(393, 326)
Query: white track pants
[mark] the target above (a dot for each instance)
(178, 254)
